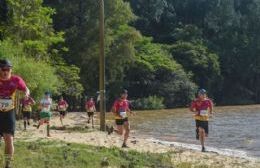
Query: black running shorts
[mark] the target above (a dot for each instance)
(121, 121)
(7, 122)
(26, 114)
(63, 113)
(90, 114)
(203, 124)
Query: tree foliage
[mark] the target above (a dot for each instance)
(38, 75)
(29, 40)
(223, 31)
(162, 48)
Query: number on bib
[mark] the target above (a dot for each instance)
(203, 112)
(6, 103)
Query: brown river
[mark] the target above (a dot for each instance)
(233, 130)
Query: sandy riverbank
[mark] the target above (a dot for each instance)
(94, 137)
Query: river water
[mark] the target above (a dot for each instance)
(232, 131)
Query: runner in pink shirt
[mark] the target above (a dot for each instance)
(26, 104)
(90, 108)
(62, 108)
(120, 110)
(9, 84)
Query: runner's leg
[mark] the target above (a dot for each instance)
(202, 136)
(9, 148)
(24, 122)
(88, 118)
(61, 117)
(48, 128)
(92, 120)
(127, 131)
(41, 121)
(119, 129)
(28, 118)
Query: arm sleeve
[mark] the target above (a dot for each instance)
(114, 108)
(210, 105)
(21, 85)
(193, 105)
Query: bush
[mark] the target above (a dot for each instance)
(149, 103)
(38, 75)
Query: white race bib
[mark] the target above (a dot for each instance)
(204, 112)
(46, 103)
(6, 103)
(45, 109)
(123, 114)
(91, 109)
(62, 107)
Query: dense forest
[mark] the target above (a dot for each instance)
(162, 51)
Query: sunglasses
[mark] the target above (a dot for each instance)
(6, 69)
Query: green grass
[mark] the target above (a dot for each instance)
(79, 129)
(50, 154)
(54, 154)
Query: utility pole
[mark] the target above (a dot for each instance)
(102, 68)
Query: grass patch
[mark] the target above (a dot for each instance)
(50, 154)
(80, 129)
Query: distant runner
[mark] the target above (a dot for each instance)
(62, 108)
(202, 106)
(91, 108)
(45, 114)
(9, 84)
(120, 109)
(26, 104)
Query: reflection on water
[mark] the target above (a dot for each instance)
(231, 127)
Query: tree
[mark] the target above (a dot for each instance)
(197, 60)
(154, 72)
(82, 35)
(29, 24)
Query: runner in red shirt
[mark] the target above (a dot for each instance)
(120, 109)
(202, 108)
(9, 84)
(62, 108)
(26, 104)
(90, 108)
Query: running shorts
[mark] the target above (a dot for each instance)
(90, 114)
(121, 121)
(26, 114)
(45, 115)
(62, 113)
(203, 124)
(7, 122)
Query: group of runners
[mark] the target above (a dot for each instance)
(202, 107)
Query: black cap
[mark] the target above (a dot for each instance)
(5, 63)
(124, 91)
(202, 91)
(47, 93)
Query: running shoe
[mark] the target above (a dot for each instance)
(203, 149)
(124, 145)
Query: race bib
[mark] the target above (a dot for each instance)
(123, 114)
(27, 108)
(62, 107)
(91, 109)
(204, 112)
(6, 103)
(46, 109)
